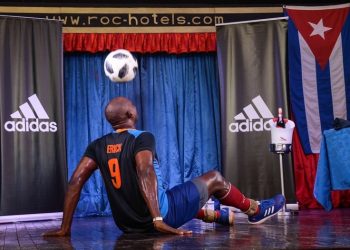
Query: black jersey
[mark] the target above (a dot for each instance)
(115, 155)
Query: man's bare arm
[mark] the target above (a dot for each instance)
(148, 185)
(81, 174)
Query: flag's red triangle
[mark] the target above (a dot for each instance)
(332, 21)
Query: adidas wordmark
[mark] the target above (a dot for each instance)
(30, 118)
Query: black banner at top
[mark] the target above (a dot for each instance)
(127, 20)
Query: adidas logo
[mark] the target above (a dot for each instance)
(252, 120)
(29, 118)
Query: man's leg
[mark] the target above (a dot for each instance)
(222, 216)
(212, 181)
(185, 202)
(229, 195)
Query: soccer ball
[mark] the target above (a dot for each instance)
(120, 66)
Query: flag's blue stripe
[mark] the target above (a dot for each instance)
(346, 60)
(296, 86)
(324, 91)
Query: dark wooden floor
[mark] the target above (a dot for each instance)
(309, 229)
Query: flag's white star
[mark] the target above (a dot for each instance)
(319, 29)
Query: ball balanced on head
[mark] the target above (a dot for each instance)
(120, 66)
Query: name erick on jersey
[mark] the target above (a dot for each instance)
(115, 153)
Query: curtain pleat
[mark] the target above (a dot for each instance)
(172, 43)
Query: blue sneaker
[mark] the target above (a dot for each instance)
(226, 217)
(267, 209)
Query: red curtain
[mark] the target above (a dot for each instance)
(175, 43)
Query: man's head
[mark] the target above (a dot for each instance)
(121, 113)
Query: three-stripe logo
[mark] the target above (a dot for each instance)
(252, 117)
(30, 117)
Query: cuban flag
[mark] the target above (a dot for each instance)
(319, 69)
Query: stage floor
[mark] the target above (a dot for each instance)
(309, 229)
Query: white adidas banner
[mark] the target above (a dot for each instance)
(252, 70)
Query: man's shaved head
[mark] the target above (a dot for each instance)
(120, 112)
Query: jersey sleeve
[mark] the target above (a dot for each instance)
(145, 141)
(90, 151)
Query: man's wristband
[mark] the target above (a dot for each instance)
(157, 219)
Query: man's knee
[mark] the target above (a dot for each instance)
(215, 182)
(216, 176)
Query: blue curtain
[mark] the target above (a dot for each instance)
(177, 97)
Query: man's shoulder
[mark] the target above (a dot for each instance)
(101, 138)
(137, 133)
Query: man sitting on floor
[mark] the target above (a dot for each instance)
(128, 163)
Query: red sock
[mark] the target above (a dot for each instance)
(201, 214)
(235, 198)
